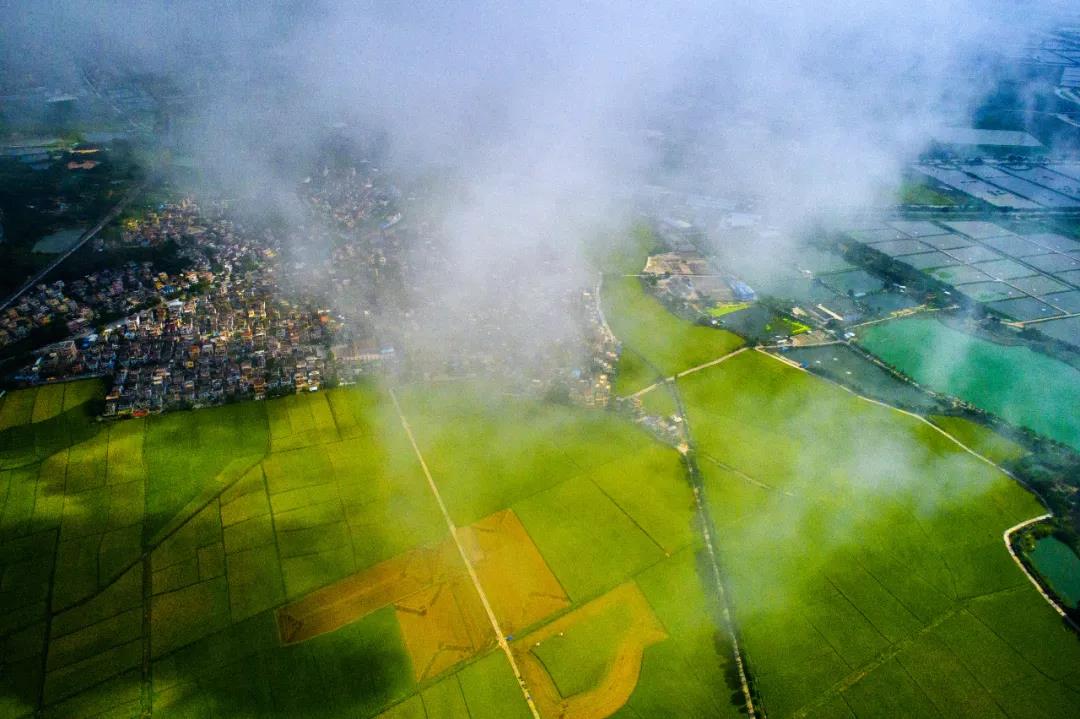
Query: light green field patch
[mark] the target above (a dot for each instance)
(683, 675)
(18, 408)
(19, 501)
(589, 543)
(300, 421)
(727, 308)
(246, 506)
(667, 342)
(411, 708)
(248, 534)
(659, 402)
(48, 403)
(79, 393)
(201, 530)
(125, 454)
(88, 464)
(983, 440)
(193, 455)
(633, 373)
(311, 571)
(301, 497)
(444, 700)
(313, 540)
(651, 488)
(945, 681)
(297, 468)
(49, 499)
(353, 409)
(579, 658)
(490, 690)
(88, 641)
(889, 691)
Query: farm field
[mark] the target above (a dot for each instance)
(287, 559)
(1015, 383)
(669, 343)
(995, 447)
(865, 560)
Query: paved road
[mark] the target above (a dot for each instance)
(86, 237)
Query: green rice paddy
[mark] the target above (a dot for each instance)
(864, 556)
(142, 561)
(668, 343)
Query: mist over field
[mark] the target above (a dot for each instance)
(550, 117)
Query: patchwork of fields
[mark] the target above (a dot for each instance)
(866, 562)
(286, 558)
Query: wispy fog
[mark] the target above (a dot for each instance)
(549, 116)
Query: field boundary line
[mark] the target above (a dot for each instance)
(918, 417)
(500, 638)
(710, 363)
(692, 370)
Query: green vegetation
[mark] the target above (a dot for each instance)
(1015, 383)
(918, 193)
(669, 343)
(727, 308)
(861, 548)
(196, 526)
(633, 374)
(999, 450)
(190, 454)
(659, 402)
(864, 556)
(586, 538)
(793, 328)
(611, 506)
(576, 659)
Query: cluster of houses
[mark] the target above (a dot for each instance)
(217, 331)
(688, 277)
(38, 308)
